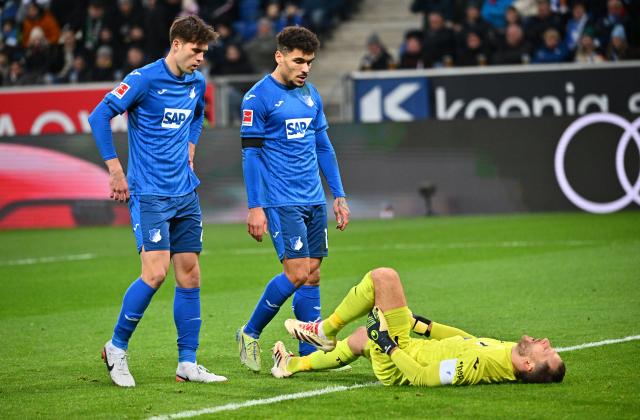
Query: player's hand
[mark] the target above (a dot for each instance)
(378, 331)
(119, 186)
(257, 223)
(342, 212)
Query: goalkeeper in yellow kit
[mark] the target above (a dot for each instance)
(449, 357)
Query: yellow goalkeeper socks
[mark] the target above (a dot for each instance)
(399, 324)
(319, 360)
(358, 302)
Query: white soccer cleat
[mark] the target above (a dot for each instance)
(309, 332)
(281, 358)
(116, 361)
(193, 372)
(249, 349)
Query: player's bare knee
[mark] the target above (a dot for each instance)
(357, 341)
(385, 276)
(314, 278)
(154, 277)
(298, 277)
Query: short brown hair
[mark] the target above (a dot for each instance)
(192, 29)
(543, 374)
(297, 37)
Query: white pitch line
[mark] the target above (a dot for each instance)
(251, 403)
(599, 343)
(331, 389)
(44, 260)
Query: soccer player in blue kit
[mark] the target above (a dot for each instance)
(165, 104)
(284, 146)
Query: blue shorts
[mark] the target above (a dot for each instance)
(298, 231)
(167, 223)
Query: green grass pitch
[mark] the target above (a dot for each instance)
(571, 277)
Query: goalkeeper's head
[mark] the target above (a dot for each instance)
(535, 361)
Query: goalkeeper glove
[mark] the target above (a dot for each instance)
(378, 331)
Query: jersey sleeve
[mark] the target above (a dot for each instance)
(254, 116)
(320, 122)
(417, 374)
(195, 129)
(128, 93)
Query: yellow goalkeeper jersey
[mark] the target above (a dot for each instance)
(450, 361)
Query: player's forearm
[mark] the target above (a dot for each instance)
(99, 120)
(251, 170)
(114, 166)
(195, 129)
(329, 164)
(416, 373)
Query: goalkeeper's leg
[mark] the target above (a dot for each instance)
(345, 353)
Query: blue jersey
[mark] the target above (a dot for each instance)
(165, 113)
(288, 120)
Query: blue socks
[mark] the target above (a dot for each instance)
(275, 294)
(306, 307)
(186, 314)
(135, 302)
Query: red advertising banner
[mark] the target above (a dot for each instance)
(50, 110)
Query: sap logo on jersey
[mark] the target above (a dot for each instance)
(174, 117)
(297, 127)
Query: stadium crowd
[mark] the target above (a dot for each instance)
(475, 32)
(71, 41)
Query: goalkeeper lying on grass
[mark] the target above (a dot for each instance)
(450, 357)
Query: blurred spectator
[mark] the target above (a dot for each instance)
(9, 33)
(552, 50)
(474, 52)
(129, 22)
(618, 48)
(135, 59)
(576, 25)
(235, 62)
(411, 56)
(157, 19)
(94, 21)
(79, 71)
(439, 45)
(17, 76)
(473, 22)
(4, 66)
(512, 16)
(103, 70)
(376, 57)
(65, 53)
(262, 48)
(514, 49)
(217, 50)
(615, 16)
(291, 16)
(38, 56)
(525, 8)
(318, 15)
(36, 16)
(444, 7)
(545, 19)
(587, 51)
(493, 11)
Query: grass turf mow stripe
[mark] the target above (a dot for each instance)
(44, 260)
(332, 389)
